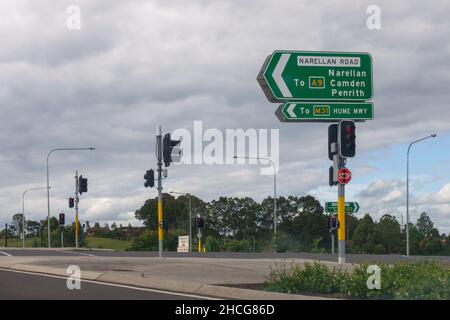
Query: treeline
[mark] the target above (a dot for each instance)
(243, 224)
(36, 234)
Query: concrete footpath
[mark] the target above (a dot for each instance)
(202, 276)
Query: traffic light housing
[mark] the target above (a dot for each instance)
(170, 147)
(200, 222)
(62, 219)
(82, 184)
(331, 180)
(347, 139)
(334, 224)
(71, 202)
(149, 179)
(332, 138)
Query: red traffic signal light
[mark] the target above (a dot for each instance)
(347, 139)
(71, 202)
(334, 224)
(62, 219)
(200, 222)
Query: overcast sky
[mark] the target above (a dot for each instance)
(136, 64)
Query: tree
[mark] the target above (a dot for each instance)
(365, 236)
(424, 224)
(415, 237)
(389, 233)
(175, 213)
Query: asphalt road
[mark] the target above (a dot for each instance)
(351, 258)
(20, 285)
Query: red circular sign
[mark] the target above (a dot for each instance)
(344, 176)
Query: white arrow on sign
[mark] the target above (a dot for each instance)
(290, 110)
(277, 75)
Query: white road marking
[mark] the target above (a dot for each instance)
(73, 252)
(6, 254)
(115, 285)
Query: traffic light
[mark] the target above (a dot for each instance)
(170, 148)
(332, 138)
(200, 222)
(331, 180)
(82, 184)
(71, 202)
(149, 179)
(347, 139)
(62, 219)
(334, 224)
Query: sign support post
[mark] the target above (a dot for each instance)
(332, 242)
(341, 219)
(160, 210)
(77, 199)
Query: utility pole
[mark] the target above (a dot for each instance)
(76, 209)
(160, 210)
(6, 235)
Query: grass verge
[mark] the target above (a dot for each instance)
(106, 243)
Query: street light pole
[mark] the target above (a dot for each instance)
(274, 194)
(23, 212)
(407, 189)
(48, 183)
(190, 216)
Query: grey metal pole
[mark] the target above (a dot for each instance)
(23, 219)
(274, 205)
(48, 184)
(190, 224)
(48, 203)
(76, 209)
(159, 159)
(407, 189)
(407, 201)
(332, 243)
(341, 242)
(62, 238)
(190, 216)
(23, 210)
(274, 196)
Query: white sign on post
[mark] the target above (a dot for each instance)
(183, 244)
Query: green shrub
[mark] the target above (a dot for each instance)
(424, 280)
(238, 246)
(212, 245)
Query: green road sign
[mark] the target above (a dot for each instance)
(306, 75)
(324, 112)
(350, 207)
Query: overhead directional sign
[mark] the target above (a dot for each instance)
(324, 112)
(350, 207)
(306, 75)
